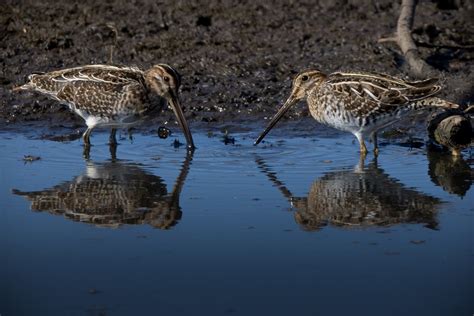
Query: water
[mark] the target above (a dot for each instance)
(301, 227)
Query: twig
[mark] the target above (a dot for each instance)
(388, 39)
(424, 44)
(469, 110)
(111, 27)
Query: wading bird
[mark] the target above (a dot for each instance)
(113, 97)
(360, 103)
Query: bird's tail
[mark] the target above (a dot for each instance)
(437, 103)
(26, 86)
(29, 85)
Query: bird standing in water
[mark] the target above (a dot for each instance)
(360, 103)
(113, 97)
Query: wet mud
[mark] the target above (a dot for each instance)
(237, 58)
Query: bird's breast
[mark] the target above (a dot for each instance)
(331, 110)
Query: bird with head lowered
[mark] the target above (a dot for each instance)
(113, 97)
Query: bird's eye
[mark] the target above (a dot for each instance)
(166, 78)
(304, 78)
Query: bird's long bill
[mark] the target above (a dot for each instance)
(176, 106)
(288, 104)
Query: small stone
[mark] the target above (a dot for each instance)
(163, 132)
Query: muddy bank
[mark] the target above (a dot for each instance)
(236, 58)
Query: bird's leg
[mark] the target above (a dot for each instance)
(86, 136)
(87, 143)
(130, 134)
(363, 148)
(113, 151)
(112, 139)
(376, 146)
(113, 144)
(86, 151)
(375, 161)
(361, 165)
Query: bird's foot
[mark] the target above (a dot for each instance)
(130, 135)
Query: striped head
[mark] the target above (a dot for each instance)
(165, 81)
(303, 84)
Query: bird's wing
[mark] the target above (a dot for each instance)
(95, 89)
(97, 73)
(92, 97)
(382, 89)
(53, 82)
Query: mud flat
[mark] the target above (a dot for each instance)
(237, 58)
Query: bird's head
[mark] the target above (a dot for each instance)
(165, 81)
(303, 83)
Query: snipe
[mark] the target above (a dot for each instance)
(360, 103)
(113, 97)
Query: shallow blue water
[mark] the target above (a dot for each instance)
(293, 227)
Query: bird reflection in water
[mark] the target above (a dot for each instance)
(363, 197)
(113, 193)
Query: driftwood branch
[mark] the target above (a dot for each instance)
(406, 43)
(417, 66)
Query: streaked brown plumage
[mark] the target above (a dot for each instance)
(363, 197)
(114, 97)
(360, 103)
(112, 194)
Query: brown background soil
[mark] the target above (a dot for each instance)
(237, 58)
